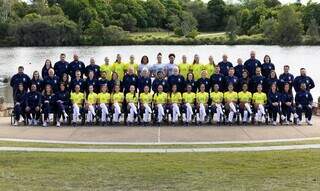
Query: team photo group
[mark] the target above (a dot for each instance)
(184, 91)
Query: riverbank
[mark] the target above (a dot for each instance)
(169, 38)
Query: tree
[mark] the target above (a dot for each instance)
(156, 12)
(200, 12)
(289, 28)
(309, 12)
(313, 30)
(186, 25)
(268, 27)
(217, 14)
(231, 28)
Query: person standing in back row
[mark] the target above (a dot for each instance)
(61, 67)
(171, 65)
(225, 65)
(252, 63)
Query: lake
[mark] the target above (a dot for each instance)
(33, 58)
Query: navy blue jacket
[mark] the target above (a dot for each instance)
(18, 79)
(129, 80)
(286, 97)
(63, 96)
(79, 82)
(156, 82)
(303, 98)
(217, 79)
(255, 81)
(238, 69)
(20, 97)
(231, 80)
(266, 69)
(74, 66)
(274, 97)
(285, 78)
(177, 80)
(206, 82)
(39, 84)
(33, 99)
(49, 98)
(112, 84)
(269, 82)
(94, 82)
(61, 68)
(224, 67)
(193, 85)
(251, 65)
(142, 82)
(303, 79)
(44, 72)
(53, 81)
(95, 68)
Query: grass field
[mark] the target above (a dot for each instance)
(285, 170)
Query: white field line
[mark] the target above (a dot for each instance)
(182, 150)
(158, 142)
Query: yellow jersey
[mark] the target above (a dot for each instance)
(230, 96)
(184, 69)
(77, 98)
(160, 98)
(189, 97)
(259, 98)
(107, 69)
(210, 68)
(131, 98)
(92, 98)
(197, 69)
(216, 97)
(134, 66)
(104, 97)
(119, 69)
(244, 96)
(117, 98)
(146, 98)
(175, 97)
(202, 97)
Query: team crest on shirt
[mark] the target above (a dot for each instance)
(162, 83)
(24, 79)
(179, 80)
(133, 79)
(79, 65)
(307, 81)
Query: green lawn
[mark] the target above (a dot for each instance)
(285, 170)
(166, 146)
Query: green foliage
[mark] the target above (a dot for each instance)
(217, 14)
(231, 29)
(313, 30)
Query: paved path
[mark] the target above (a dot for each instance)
(162, 135)
(178, 150)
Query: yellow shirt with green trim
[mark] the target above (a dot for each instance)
(92, 98)
(132, 98)
(117, 98)
(259, 98)
(189, 97)
(184, 69)
(197, 69)
(245, 96)
(104, 97)
(210, 68)
(146, 98)
(119, 69)
(160, 98)
(77, 98)
(202, 97)
(175, 97)
(107, 69)
(216, 97)
(230, 96)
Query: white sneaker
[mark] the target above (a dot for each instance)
(15, 123)
(274, 123)
(283, 117)
(65, 115)
(58, 124)
(286, 122)
(35, 122)
(309, 122)
(298, 122)
(30, 122)
(45, 124)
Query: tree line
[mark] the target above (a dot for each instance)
(103, 22)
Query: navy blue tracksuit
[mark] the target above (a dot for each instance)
(238, 69)
(92, 82)
(193, 85)
(251, 65)
(60, 68)
(142, 82)
(79, 82)
(206, 82)
(53, 81)
(274, 97)
(156, 82)
(224, 67)
(285, 78)
(62, 99)
(48, 103)
(33, 100)
(95, 68)
(287, 110)
(74, 66)
(20, 78)
(129, 80)
(19, 104)
(255, 81)
(266, 69)
(303, 79)
(38, 83)
(177, 80)
(217, 79)
(304, 101)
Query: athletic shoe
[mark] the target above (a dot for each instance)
(274, 123)
(15, 123)
(45, 124)
(309, 122)
(283, 117)
(58, 124)
(35, 122)
(298, 122)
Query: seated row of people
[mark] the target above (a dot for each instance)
(136, 106)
